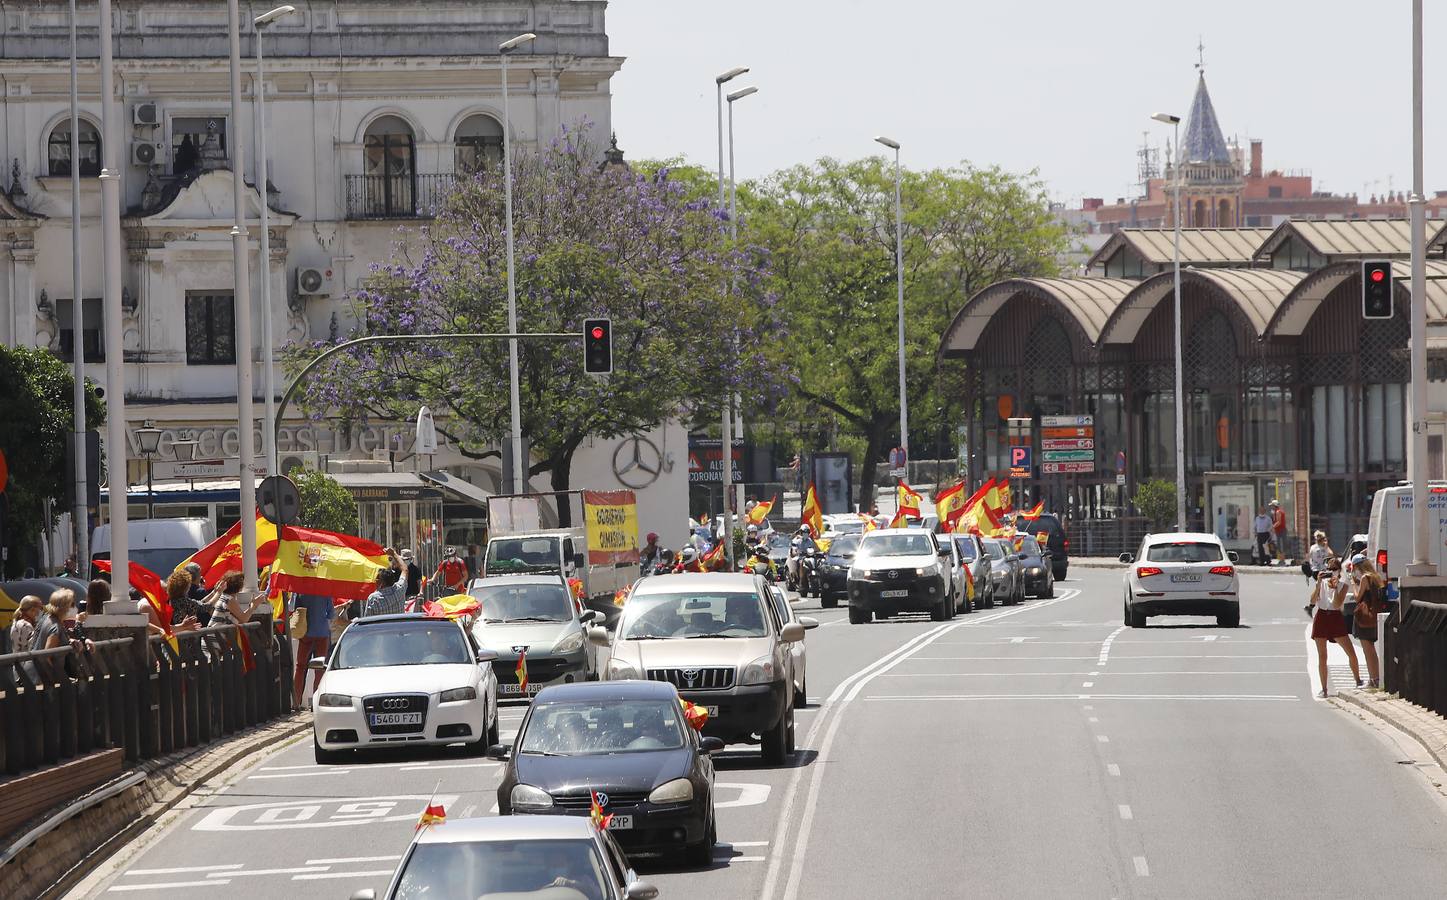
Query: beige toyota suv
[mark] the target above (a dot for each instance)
(715, 637)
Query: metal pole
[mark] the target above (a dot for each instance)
(110, 188)
(268, 431)
(150, 489)
(726, 434)
(519, 465)
(79, 513)
(1180, 397)
(735, 400)
(245, 414)
(899, 277)
(1421, 559)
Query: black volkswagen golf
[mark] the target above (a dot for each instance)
(628, 742)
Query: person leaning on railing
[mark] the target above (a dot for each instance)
(226, 609)
(22, 630)
(183, 608)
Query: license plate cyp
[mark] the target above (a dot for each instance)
(896, 593)
(412, 718)
(620, 823)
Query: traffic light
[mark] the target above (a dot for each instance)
(1376, 289)
(598, 346)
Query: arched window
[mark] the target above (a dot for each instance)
(58, 149)
(1210, 379)
(1223, 215)
(1198, 219)
(390, 168)
(478, 142)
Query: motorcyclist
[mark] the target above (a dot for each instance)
(802, 541)
(648, 556)
(688, 561)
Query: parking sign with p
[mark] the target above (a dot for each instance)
(1021, 461)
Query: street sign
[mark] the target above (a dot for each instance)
(1066, 421)
(1120, 479)
(1021, 461)
(1120, 463)
(1067, 444)
(1067, 455)
(426, 441)
(1066, 468)
(1079, 431)
(278, 500)
(898, 473)
(199, 468)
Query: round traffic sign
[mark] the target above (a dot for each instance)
(278, 500)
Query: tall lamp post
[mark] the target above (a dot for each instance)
(519, 465)
(899, 279)
(79, 513)
(241, 303)
(726, 444)
(735, 400)
(1175, 123)
(1422, 564)
(148, 438)
(268, 430)
(110, 221)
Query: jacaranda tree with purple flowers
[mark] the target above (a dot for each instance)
(590, 241)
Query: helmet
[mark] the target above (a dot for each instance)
(806, 529)
(652, 536)
(753, 529)
(689, 554)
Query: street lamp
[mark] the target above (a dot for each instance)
(899, 278)
(1175, 123)
(148, 439)
(268, 431)
(519, 465)
(726, 444)
(80, 517)
(735, 400)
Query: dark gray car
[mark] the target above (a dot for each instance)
(971, 552)
(1007, 582)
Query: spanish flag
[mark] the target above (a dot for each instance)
(696, 716)
(434, 814)
(972, 519)
(760, 512)
(595, 813)
(908, 499)
(812, 514)
(714, 560)
(222, 556)
(1032, 513)
(150, 586)
(313, 561)
(522, 671)
(950, 505)
(453, 606)
(869, 523)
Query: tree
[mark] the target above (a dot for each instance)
(1156, 500)
(35, 416)
(829, 230)
(324, 502)
(590, 241)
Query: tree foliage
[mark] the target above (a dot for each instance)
(324, 502)
(829, 229)
(1156, 500)
(35, 416)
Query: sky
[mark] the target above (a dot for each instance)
(1062, 87)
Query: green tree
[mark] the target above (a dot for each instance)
(1156, 500)
(324, 502)
(35, 415)
(829, 229)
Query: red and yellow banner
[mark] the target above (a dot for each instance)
(950, 506)
(812, 513)
(222, 556)
(313, 561)
(611, 519)
(760, 512)
(150, 586)
(434, 814)
(522, 672)
(452, 606)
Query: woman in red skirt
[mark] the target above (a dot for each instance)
(1328, 624)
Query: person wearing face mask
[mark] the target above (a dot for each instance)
(1328, 624)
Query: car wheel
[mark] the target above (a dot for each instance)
(801, 693)
(829, 601)
(326, 757)
(701, 854)
(1133, 617)
(1050, 589)
(775, 743)
(1230, 620)
(858, 616)
(494, 731)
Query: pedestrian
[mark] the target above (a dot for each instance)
(70, 569)
(1316, 557)
(199, 594)
(319, 611)
(1371, 602)
(183, 608)
(388, 597)
(1262, 528)
(1278, 529)
(452, 570)
(22, 630)
(1328, 624)
(226, 608)
(413, 572)
(97, 595)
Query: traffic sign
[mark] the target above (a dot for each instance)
(1078, 431)
(1067, 455)
(1067, 444)
(1066, 468)
(1120, 479)
(1066, 421)
(1120, 463)
(278, 500)
(1021, 457)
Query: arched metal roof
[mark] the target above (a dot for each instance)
(1088, 301)
(1296, 311)
(1257, 293)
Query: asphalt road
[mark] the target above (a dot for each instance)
(1033, 751)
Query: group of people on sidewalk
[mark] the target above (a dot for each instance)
(1336, 620)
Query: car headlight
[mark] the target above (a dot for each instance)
(1035, 570)
(334, 700)
(525, 796)
(619, 669)
(679, 790)
(571, 643)
(760, 671)
(456, 694)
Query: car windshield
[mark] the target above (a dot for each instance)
(846, 526)
(895, 545)
(402, 643)
(1184, 552)
(779, 541)
(510, 868)
(966, 548)
(534, 554)
(994, 550)
(845, 545)
(1028, 548)
(684, 614)
(523, 602)
(577, 728)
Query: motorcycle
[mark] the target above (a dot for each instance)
(810, 574)
(664, 564)
(759, 563)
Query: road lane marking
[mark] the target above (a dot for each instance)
(165, 884)
(1105, 647)
(269, 871)
(843, 694)
(1141, 868)
(1102, 738)
(1125, 813)
(1291, 697)
(1093, 719)
(352, 859)
(1020, 640)
(743, 843)
(300, 813)
(749, 794)
(430, 766)
(1294, 673)
(1112, 769)
(372, 874)
(180, 870)
(1019, 658)
(1086, 684)
(302, 774)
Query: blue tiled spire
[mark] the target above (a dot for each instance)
(1203, 141)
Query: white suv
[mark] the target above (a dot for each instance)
(1181, 574)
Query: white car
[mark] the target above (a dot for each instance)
(401, 681)
(785, 613)
(1181, 574)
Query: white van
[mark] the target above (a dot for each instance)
(1389, 534)
(158, 544)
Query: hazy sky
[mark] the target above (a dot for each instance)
(1062, 86)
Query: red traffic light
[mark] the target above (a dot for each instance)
(1377, 275)
(597, 332)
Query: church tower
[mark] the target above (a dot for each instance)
(1212, 182)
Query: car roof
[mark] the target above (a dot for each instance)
(535, 578)
(896, 531)
(608, 690)
(393, 617)
(508, 828)
(1176, 537)
(718, 581)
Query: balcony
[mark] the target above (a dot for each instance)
(396, 196)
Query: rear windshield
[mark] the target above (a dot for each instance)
(1028, 548)
(895, 545)
(966, 548)
(1184, 552)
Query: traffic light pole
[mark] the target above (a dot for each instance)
(1421, 565)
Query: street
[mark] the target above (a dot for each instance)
(1034, 751)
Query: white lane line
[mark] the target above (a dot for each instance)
(1113, 770)
(1086, 684)
(1093, 719)
(1102, 738)
(1294, 673)
(734, 859)
(351, 859)
(302, 774)
(844, 693)
(1209, 637)
(1291, 697)
(1141, 868)
(430, 766)
(1125, 812)
(290, 871)
(181, 870)
(1200, 656)
(1105, 647)
(958, 658)
(373, 874)
(165, 884)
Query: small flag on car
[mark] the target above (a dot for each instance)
(696, 716)
(600, 821)
(522, 671)
(434, 814)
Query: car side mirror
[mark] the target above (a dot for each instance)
(486, 656)
(598, 636)
(710, 744)
(640, 890)
(317, 664)
(1127, 558)
(1233, 555)
(364, 894)
(808, 622)
(792, 633)
(499, 751)
(944, 551)
(589, 615)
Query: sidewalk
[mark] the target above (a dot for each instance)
(1425, 726)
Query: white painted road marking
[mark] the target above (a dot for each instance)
(351, 859)
(1291, 697)
(1141, 868)
(1125, 812)
(1113, 769)
(1105, 647)
(372, 874)
(749, 795)
(165, 884)
(269, 871)
(180, 870)
(309, 813)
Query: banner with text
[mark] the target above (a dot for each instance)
(612, 522)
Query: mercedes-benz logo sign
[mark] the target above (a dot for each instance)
(602, 798)
(637, 462)
(395, 703)
(690, 676)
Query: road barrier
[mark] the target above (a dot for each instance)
(1415, 653)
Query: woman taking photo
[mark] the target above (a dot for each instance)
(1328, 624)
(1371, 601)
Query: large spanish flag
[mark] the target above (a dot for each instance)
(760, 512)
(950, 505)
(313, 561)
(222, 556)
(812, 514)
(908, 500)
(151, 587)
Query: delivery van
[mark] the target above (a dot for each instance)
(1389, 532)
(158, 544)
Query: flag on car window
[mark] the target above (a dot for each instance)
(434, 814)
(696, 716)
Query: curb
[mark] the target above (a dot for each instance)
(1370, 703)
(71, 843)
(1241, 569)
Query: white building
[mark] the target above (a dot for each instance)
(372, 107)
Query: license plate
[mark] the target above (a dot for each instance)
(898, 593)
(712, 711)
(620, 823)
(412, 718)
(513, 688)
(1185, 579)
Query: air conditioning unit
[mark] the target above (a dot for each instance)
(146, 153)
(298, 459)
(145, 114)
(313, 281)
